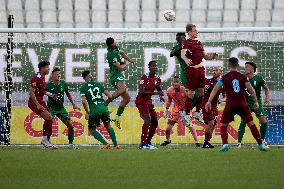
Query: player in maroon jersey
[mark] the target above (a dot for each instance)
(210, 117)
(234, 84)
(37, 104)
(193, 54)
(148, 84)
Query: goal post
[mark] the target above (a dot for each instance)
(76, 49)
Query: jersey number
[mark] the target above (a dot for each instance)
(236, 85)
(95, 93)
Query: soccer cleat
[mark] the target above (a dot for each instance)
(46, 144)
(239, 145)
(53, 146)
(224, 148)
(106, 147)
(207, 145)
(197, 144)
(116, 123)
(261, 147)
(165, 143)
(144, 147)
(265, 144)
(198, 116)
(152, 147)
(72, 146)
(116, 147)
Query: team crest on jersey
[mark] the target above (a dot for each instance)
(33, 84)
(142, 82)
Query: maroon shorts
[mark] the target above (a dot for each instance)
(33, 107)
(210, 115)
(146, 109)
(195, 78)
(239, 109)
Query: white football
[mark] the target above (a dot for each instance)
(169, 15)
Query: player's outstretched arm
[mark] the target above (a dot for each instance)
(267, 95)
(213, 93)
(211, 56)
(253, 94)
(108, 95)
(121, 67)
(183, 56)
(69, 96)
(85, 106)
(123, 54)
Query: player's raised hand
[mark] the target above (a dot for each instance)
(208, 106)
(87, 116)
(54, 96)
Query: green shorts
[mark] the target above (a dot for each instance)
(260, 111)
(101, 113)
(62, 114)
(114, 81)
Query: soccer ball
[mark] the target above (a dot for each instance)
(169, 15)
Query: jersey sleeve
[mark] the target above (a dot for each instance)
(263, 82)
(66, 88)
(82, 91)
(185, 44)
(143, 81)
(34, 82)
(170, 99)
(47, 88)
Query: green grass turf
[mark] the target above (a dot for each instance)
(173, 167)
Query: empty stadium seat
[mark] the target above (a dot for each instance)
(231, 4)
(213, 24)
(131, 25)
(81, 5)
(48, 5)
(132, 5)
(32, 17)
(264, 4)
(31, 5)
(82, 25)
(279, 5)
(247, 16)
(165, 24)
(115, 5)
(148, 16)
(214, 16)
(33, 25)
(65, 16)
(148, 5)
(148, 25)
(18, 17)
(182, 5)
(99, 16)
(230, 16)
(166, 5)
(3, 18)
(278, 16)
(230, 24)
(215, 5)
(115, 25)
(262, 24)
(65, 5)
(199, 5)
(132, 16)
(2, 6)
(98, 5)
(182, 16)
(248, 4)
(99, 25)
(198, 16)
(115, 16)
(14, 5)
(82, 16)
(263, 15)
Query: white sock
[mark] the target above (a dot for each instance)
(44, 138)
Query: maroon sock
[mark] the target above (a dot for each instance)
(224, 134)
(255, 134)
(207, 137)
(47, 128)
(188, 105)
(145, 133)
(198, 104)
(152, 132)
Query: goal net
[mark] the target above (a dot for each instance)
(75, 52)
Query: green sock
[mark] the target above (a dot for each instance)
(263, 128)
(241, 131)
(112, 136)
(120, 111)
(71, 138)
(195, 99)
(99, 137)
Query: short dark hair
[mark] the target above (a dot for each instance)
(253, 65)
(178, 34)
(151, 62)
(189, 27)
(42, 64)
(234, 61)
(85, 73)
(109, 41)
(55, 70)
(176, 77)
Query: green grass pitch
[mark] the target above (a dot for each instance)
(173, 167)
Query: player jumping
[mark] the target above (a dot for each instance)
(56, 106)
(92, 95)
(118, 62)
(210, 117)
(257, 82)
(176, 51)
(234, 84)
(37, 104)
(177, 94)
(193, 54)
(148, 84)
